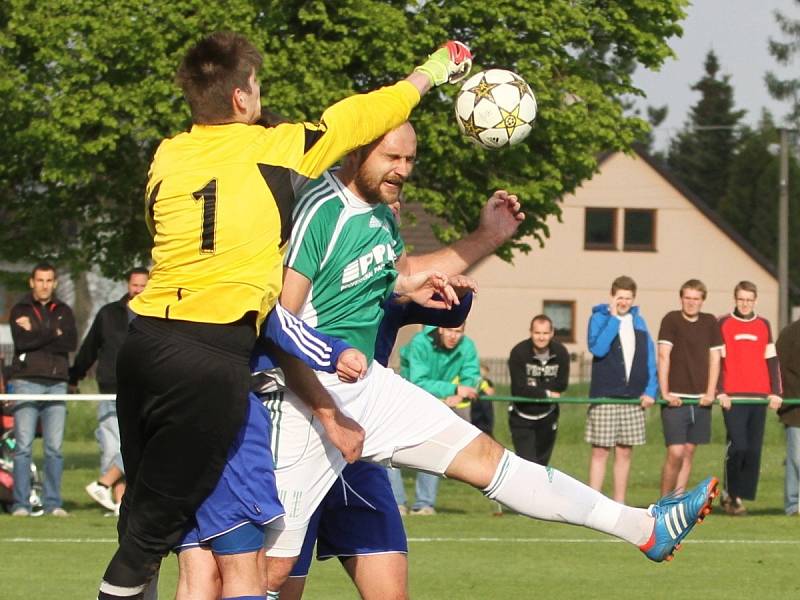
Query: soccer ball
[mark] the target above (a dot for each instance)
(495, 108)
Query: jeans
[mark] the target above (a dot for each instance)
(107, 435)
(53, 416)
(791, 490)
(398, 490)
(426, 489)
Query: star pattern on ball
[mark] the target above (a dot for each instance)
(521, 86)
(470, 129)
(483, 90)
(510, 120)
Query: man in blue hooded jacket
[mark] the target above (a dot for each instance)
(623, 366)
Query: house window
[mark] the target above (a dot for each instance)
(601, 229)
(562, 313)
(640, 230)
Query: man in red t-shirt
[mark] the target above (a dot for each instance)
(749, 369)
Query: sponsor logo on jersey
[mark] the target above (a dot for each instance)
(367, 265)
(375, 223)
(745, 336)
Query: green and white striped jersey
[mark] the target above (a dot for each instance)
(347, 248)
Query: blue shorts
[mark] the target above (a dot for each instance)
(358, 516)
(245, 493)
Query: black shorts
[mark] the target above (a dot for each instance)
(686, 424)
(182, 399)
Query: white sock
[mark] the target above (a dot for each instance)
(544, 493)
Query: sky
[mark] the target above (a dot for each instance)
(738, 31)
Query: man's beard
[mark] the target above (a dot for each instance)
(370, 188)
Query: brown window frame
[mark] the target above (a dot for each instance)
(561, 338)
(587, 245)
(651, 247)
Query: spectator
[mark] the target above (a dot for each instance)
(788, 347)
(623, 366)
(444, 362)
(101, 345)
(689, 350)
(539, 368)
(482, 410)
(43, 330)
(749, 367)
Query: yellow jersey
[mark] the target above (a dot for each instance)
(219, 202)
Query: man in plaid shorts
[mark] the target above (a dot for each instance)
(623, 366)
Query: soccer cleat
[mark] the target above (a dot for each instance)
(101, 494)
(676, 515)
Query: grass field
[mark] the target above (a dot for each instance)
(464, 551)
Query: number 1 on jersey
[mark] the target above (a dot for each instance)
(208, 194)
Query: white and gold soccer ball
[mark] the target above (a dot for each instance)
(495, 108)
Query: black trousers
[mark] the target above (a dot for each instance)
(745, 433)
(482, 415)
(534, 440)
(182, 399)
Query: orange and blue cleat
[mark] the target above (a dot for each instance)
(676, 515)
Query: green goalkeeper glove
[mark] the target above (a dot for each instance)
(449, 64)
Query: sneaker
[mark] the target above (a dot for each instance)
(738, 508)
(425, 511)
(101, 494)
(58, 512)
(113, 513)
(21, 512)
(676, 515)
(402, 509)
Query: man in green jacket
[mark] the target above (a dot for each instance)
(444, 362)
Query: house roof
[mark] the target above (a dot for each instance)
(701, 206)
(420, 238)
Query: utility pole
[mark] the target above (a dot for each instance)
(783, 234)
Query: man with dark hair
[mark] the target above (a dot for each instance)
(101, 345)
(623, 366)
(749, 368)
(539, 368)
(218, 203)
(689, 350)
(43, 329)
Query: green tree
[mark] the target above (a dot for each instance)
(88, 92)
(656, 115)
(701, 154)
(750, 204)
(784, 51)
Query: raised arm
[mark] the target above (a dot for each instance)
(499, 221)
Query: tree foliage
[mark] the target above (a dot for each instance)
(784, 51)
(701, 154)
(88, 92)
(750, 203)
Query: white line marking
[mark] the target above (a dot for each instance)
(427, 540)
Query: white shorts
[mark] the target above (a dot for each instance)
(395, 415)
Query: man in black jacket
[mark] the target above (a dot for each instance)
(101, 345)
(43, 330)
(539, 368)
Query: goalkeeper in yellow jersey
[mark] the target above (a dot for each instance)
(218, 203)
